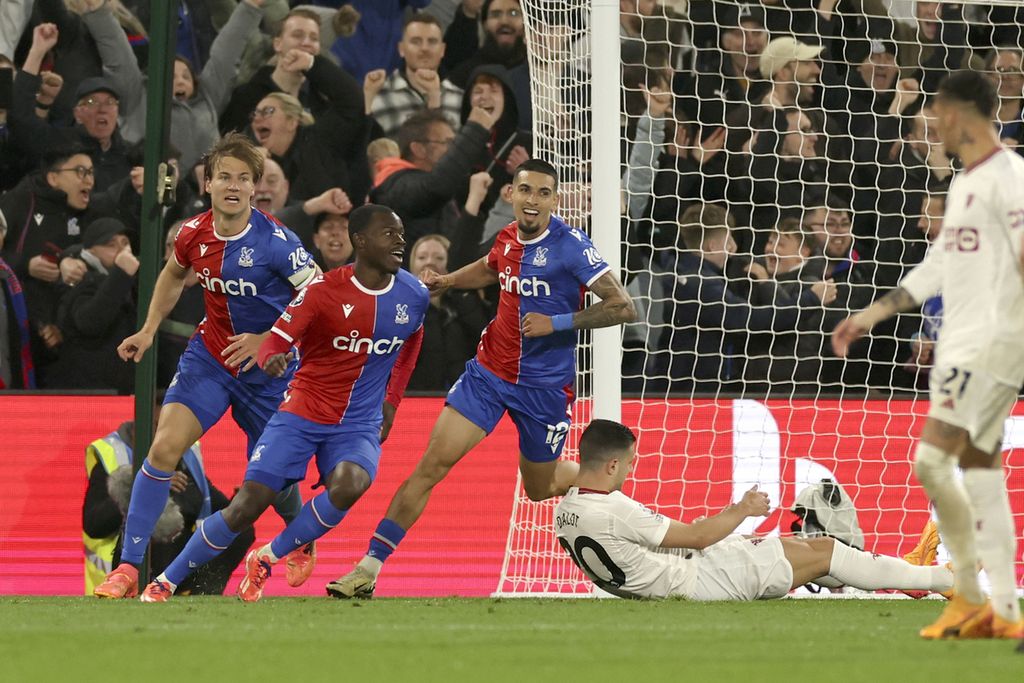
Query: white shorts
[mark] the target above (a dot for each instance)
(740, 568)
(973, 400)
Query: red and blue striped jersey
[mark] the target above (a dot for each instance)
(350, 338)
(249, 278)
(548, 274)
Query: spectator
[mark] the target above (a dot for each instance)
(1004, 67)
(784, 168)
(332, 247)
(16, 369)
(931, 45)
(198, 99)
(726, 77)
(504, 45)
(13, 164)
(98, 313)
(792, 363)
(710, 315)
(45, 214)
(372, 44)
(461, 38)
(491, 90)
(180, 324)
(193, 498)
(434, 167)
(419, 85)
(271, 194)
(831, 227)
(924, 338)
(313, 154)
(454, 321)
(299, 71)
(793, 69)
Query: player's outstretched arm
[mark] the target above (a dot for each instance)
(166, 293)
(859, 324)
(711, 530)
(476, 275)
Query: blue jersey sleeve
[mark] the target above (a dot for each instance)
(582, 258)
(291, 260)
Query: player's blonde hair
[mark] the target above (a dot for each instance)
(236, 146)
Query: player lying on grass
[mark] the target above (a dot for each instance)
(359, 329)
(631, 551)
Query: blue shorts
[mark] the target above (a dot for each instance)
(202, 385)
(289, 441)
(542, 416)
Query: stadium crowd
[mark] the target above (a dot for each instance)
(778, 169)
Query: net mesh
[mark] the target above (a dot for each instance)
(804, 126)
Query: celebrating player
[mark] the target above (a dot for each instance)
(250, 266)
(631, 551)
(979, 358)
(525, 364)
(353, 325)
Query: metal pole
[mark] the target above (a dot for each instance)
(161, 62)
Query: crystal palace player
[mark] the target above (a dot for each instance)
(353, 325)
(526, 362)
(250, 266)
(979, 365)
(631, 551)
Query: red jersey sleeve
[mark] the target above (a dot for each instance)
(181, 240)
(296, 319)
(404, 365)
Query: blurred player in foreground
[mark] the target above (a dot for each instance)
(979, 358)
(525, 364)
(250, 266)
(359, 329)
(631, 551)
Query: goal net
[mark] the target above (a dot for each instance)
(789, 144)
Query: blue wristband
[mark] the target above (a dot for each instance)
(562, 322)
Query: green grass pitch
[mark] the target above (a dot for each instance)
(454, 639)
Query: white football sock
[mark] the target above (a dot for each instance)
(872, 572)
(937, 473)
(995, 536)
(371, 564)
(265, 550)
(163, 578)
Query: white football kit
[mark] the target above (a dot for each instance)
(615, 541)
(974, 263)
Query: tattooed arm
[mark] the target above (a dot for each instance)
(614, 308)
(856, 326)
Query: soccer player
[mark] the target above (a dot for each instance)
(525, 363)
(354, 324)
(631, 551)
(250, 266)
(979, 358)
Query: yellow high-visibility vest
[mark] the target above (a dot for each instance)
(111, 452)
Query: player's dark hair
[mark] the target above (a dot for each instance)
(239, 147)
(603, 439)
(362, 218)
(538, 166)
(970, 87)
